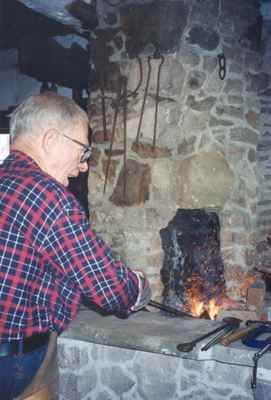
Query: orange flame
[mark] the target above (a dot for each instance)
(197, 303)
(196, 307)
(213, 308)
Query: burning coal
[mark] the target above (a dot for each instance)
(197, 303)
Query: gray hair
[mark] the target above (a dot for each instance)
(40, 112)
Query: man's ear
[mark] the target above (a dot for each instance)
(49, 139)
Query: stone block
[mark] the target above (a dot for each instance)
(116, 379)
(255, 297)
(136, 179)
(206, 180)
(244, 315)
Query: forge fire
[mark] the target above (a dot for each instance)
(193, 270)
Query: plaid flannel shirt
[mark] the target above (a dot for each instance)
(50, 256)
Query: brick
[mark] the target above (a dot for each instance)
(255, 297)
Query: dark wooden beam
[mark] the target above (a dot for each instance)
(86, 13)
(18, 21)
(46, 60)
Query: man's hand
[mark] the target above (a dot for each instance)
(144, 291)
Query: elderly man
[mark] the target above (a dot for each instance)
(49, 255)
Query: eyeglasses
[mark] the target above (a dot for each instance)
(87, 149)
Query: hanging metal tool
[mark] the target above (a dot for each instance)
(156, 56)
(121, 98)
(117, 105)
(99, 53)
(134, 92)
(122, 95)
(124, 85)
(144, 100)
(102, 89)
(161, 57)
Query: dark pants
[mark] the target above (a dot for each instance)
(17, 371)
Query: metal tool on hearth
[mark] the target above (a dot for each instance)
(228, 330)
(238, 334)
(262, 322)
(188, 346)
(170, 310)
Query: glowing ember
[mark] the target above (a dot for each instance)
(196, 307)
(213, 309)
(197, 303)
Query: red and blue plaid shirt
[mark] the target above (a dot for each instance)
(50, 256)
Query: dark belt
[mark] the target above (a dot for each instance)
(23, 346)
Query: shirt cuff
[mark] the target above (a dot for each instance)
(140, 277)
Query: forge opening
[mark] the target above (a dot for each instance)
(193, 270)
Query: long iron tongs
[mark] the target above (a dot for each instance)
(170, 310)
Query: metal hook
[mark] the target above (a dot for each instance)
(222, 66)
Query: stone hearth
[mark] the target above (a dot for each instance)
(106, 358)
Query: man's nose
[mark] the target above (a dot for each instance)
(83, 167)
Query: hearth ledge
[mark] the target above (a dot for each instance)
(157, 333)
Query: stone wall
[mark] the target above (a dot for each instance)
(111, 373)
(207, 133)
(107, 358)
(264, 161)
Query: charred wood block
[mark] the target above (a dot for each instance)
(136, 178)
(192, 258)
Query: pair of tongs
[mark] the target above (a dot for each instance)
(170, 310)
(228, 330)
